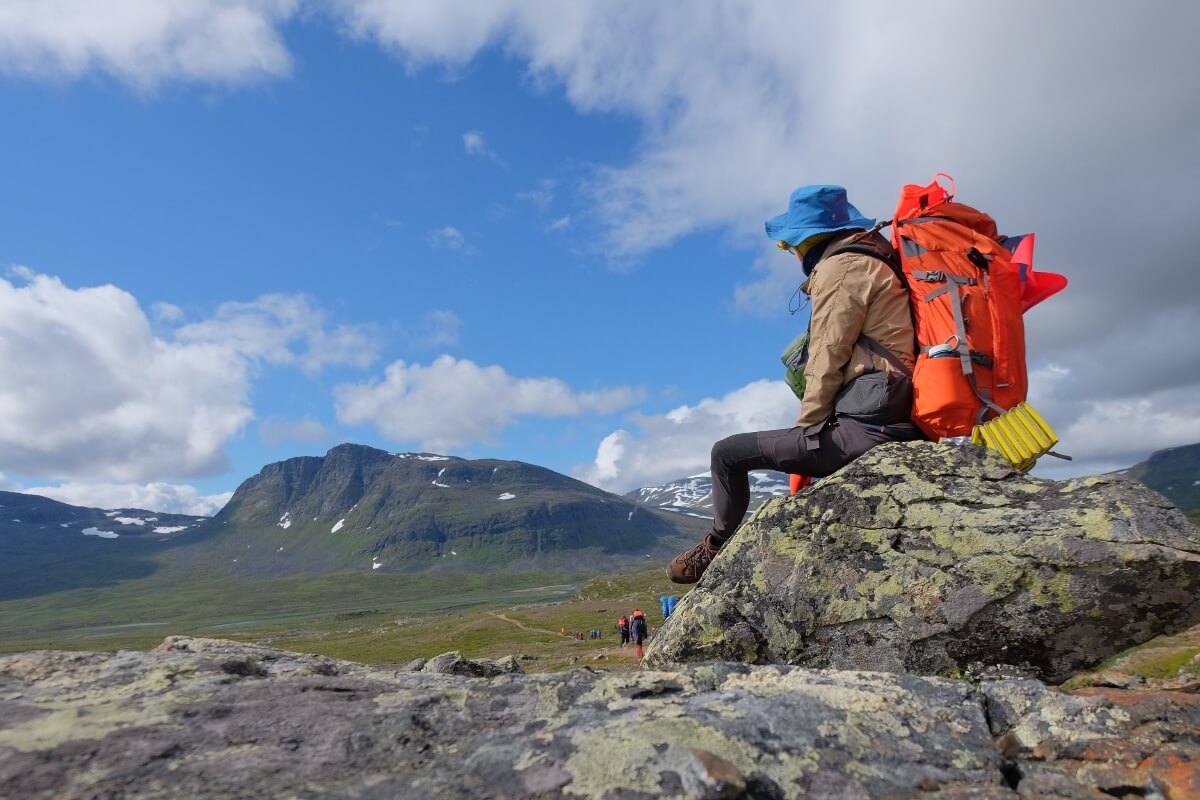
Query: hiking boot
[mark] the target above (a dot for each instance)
(687, 567)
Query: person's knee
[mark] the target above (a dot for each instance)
(723, 451)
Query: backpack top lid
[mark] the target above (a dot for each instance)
(920, 201)
(916, 200)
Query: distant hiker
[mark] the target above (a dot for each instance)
(639, 632)
(623, 629)
(857, 363)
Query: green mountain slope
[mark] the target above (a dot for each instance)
(358, 508)
(1174, 473)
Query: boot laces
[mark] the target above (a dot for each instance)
(697, 555)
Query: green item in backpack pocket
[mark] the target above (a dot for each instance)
(795, 357)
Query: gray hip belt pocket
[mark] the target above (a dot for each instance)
(877, 398)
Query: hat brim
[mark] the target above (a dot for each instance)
(782, 229)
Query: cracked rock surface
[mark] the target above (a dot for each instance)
(211, 718)
(933, 559)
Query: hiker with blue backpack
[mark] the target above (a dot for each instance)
(639, 631)
(855, 365)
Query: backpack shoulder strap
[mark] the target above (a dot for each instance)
(876, 247)
(880, 248)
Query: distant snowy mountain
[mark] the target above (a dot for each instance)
(693, 496)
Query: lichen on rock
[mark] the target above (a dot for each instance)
(935, 559)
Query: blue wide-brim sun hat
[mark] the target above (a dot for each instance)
(813, 210)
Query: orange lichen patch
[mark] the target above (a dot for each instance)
(1178, 775)
(1112, 751)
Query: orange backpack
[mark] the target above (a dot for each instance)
(968, 289)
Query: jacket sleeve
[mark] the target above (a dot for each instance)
(841, 290)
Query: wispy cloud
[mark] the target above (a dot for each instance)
(440, 329)
(166, 312)
(542, 195)
(560, 224)
(285, 329)
(475, 144)
(448, 238)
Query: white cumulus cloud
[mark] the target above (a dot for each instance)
(166, 498)
(88, 391)
(659, 448)
(452, 403)
(146, 42)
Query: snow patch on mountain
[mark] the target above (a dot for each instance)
(692, 495)
(422, 456)
(100, 533)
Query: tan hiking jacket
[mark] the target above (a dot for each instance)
(852, 295)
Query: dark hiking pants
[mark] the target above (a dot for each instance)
(817, 451)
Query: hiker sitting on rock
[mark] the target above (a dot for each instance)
(860, 326)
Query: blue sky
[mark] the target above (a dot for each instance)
(237, 231)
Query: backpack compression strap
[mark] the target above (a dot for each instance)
(872, 346)
(965, 355)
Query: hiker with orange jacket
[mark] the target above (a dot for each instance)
(857, 368)
(623, 629)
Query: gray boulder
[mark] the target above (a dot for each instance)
(935, 559)
(454, 663)
(178, 723)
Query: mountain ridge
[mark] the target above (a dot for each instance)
(356, 508)
(1173, 472)
(692, 496)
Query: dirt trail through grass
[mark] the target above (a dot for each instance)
(522, 625)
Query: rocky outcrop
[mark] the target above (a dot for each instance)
(934, 559)
(205, 718)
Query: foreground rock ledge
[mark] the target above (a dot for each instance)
(934, 559)
(209, 718)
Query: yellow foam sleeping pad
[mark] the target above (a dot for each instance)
(1019, 434)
